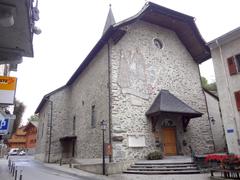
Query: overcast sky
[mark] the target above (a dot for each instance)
(70, 29)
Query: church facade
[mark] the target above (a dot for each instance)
(142, 77)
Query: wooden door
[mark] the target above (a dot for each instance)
(169, 141)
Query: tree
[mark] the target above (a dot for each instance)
(209, 87)
(33, 118)
(18, 111)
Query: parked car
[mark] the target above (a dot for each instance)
(22, 153)
(13, 152)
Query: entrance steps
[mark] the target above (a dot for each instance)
(165, 166)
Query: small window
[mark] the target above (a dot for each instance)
(237, 98)
(42, 129)
(74, 124)
(93, 118)
(234, 64)
(158, 43)
(237, 57)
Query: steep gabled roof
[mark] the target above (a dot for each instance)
(166, 102)
(46, 98)
(182, 24)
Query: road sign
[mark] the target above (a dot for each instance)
(4, 125)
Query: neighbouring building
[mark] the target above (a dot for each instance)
(18, 139)
(215, 118)
(24, 137)
(225, 52)
(143, 78)
(17, 26)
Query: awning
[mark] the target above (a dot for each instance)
(166, 102)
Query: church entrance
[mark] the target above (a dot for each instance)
(169, 141)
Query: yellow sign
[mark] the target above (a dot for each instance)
(7, 83)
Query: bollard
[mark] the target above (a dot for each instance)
(20, 177)
(9, 164)
(13, 170)
(16, 174)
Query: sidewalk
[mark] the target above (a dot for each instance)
(72, 171)
(66, 169)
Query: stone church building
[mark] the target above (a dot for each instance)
(142, 77)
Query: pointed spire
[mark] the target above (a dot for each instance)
(110, 20)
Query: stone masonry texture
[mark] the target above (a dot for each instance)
(139, 70)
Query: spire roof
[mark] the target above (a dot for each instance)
(110, 20)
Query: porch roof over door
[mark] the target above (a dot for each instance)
(166, 102)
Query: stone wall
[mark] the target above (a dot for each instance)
(227, 85)
(60, 125)
(139, 71)
(90, 89)
(41, 146)
(216, 123)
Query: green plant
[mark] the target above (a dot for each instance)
(155, 155)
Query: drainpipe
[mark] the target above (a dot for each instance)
(50, 128)
(109, 100)
(227, 82)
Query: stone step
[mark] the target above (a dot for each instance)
(162, 172)
(161, 169)
(164, 165)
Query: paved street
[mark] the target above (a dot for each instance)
(34, 170)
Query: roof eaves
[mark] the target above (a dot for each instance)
(91, 55)
(45, 97)
(229, 36)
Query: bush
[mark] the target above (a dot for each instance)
(154, 155)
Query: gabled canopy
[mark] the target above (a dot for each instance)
(166, 102)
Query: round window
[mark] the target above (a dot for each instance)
(158, 43)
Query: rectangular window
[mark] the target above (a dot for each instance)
(93, 118)
(234, 64)
(237, 58)
(42, 129)
(74, 124)
(237, 98)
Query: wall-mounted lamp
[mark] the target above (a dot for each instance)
(6, 15)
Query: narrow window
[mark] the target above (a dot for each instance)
(42, 129)
(237, 98)
(74, 124)
(93, 118)
(231, 66)
(237, 57)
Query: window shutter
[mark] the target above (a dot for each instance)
(232, 66)
(237, 97)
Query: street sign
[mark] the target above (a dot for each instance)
(4, 126)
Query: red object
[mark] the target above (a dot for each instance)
(231, 66)
(219, 157)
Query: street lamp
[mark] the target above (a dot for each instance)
(50, 129)
(103, 125)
